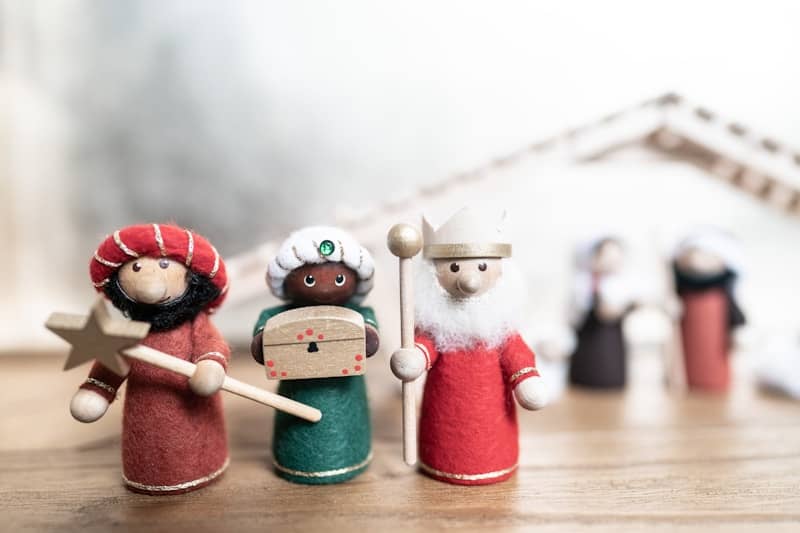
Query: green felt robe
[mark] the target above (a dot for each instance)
(338, 447)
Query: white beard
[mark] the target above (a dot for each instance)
(455, 323)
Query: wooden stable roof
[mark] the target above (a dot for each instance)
(757, 165)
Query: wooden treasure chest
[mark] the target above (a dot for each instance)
(315, 342)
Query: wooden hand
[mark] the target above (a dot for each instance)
(373, 340)
(257, 347)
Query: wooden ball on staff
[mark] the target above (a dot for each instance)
(404, 240)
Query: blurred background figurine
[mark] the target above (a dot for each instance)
(706, 264)
(322, 266)
(468, 298)
(602, 297)
(173, 430)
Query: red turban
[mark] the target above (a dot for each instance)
(159, 240)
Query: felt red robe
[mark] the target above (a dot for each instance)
(173, 440)
(706, 340)
(468, 431)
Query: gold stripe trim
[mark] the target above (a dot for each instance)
(216, 263)
(467, 477)
(296, 255)
(159, 240)
(426, 353)
(106, 262)
(465, 250)
(213, 354)
(324, 473)
(179, 486)
(122, 246)
(521, 372)
(189, 248)
(280, 265)
(101, 384)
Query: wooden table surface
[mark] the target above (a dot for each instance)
(592, 461)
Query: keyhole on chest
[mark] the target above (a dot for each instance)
(312, 347)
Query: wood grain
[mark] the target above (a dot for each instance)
(591, 462)
(336, 334)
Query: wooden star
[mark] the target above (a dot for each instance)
(97, 336)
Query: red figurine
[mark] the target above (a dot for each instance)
(173, 431)
(468, 301)
(706, 265)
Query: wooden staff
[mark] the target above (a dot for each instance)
(675, 364)
(405, 242)
(98, 336)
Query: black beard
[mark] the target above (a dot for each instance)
(200, 292)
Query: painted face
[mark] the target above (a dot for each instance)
(151, 280)
(323, 284)
(608, 257)
(700, 262)
(466, 278)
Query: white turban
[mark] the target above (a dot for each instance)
(316, 245)
(716, 241)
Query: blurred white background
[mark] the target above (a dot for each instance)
(245, 119)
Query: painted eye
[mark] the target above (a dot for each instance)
(454, 267)
(482, 267)
(164, 263)
(339, 281)
(136, 267)
(310, 281)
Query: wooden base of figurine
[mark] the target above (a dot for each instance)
(333, 450)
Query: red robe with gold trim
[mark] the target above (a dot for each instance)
(468, 431)
(173, 440)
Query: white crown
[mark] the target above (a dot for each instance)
(466, 234)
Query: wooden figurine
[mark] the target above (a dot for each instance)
(600, 301)
(706, 265)
(317, 345)
(173, 431)
(468, 301)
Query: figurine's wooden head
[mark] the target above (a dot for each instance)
(708, 251)
(321, 284)
(607, 256)
(468, 277)
(150, 280)
(700, 262)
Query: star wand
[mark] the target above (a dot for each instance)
(111, 341)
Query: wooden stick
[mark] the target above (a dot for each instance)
(673, 357)
(405, 242)
(407, 341)
(100, 337)
(185, 368)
